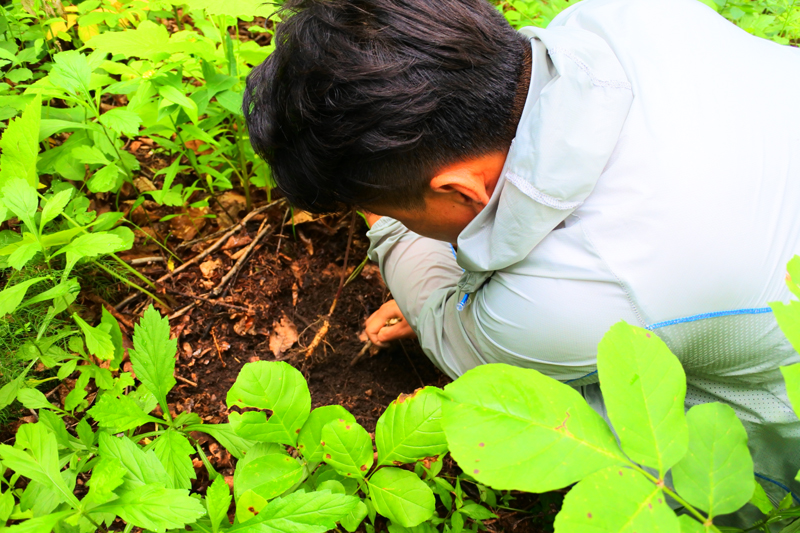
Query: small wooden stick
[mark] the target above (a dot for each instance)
(264, 230)
(187, 381)
(360, 354)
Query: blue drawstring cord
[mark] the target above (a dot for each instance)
(465, 299)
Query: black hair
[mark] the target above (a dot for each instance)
(363, 101)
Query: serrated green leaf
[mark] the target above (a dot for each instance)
(153, 355)
(115, 333)
(644, 387)
(107, 475)
(310, 440)
(20, 145)
(268, 475)
(716, 475)
(119, 413)
(71, 71)
(85, 433)
(108, 178)
(516, 429)
(98, 341)
(89, 245)
(33, 399)
(155, 508)
(148, 40)
(616, 499)
(123, 121)
(143, 468)
(174, 452)
(218, 501)
(791, 375)
(11, 297)
(411, 429)
(70, 287)
(401, 496)
(355, 517)
(300, 512)
(171, 94)
(19, 197)
(6, 506)
(276, 386)
(90, 155)
(40, 524)
(347, 447)
(55, 206)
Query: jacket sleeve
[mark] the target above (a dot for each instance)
(549, 320)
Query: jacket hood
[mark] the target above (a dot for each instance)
(577, 102)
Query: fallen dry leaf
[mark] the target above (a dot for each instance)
(237, 241)
(209, 267)
(187, 226)
(233, 202)
(245, 326)
(300, 217)
(283, 336)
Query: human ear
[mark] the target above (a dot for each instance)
(469, 185)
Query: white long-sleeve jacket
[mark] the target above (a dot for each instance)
(667, 141)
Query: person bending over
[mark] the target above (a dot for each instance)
(637, 160)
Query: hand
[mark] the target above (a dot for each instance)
(388, 324)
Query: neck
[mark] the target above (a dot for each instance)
(522, 86)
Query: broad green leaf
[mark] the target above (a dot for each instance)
(98, 341)
(121, 120)
(300, 512)
(310, 440)
(516, 429)
(401, 496)
(644, 387)
(108, 178)
(143, 468)
(51, 126)
(174, 451)
(355, 517)
(119, 413)
(276, 386)
(791, 375)
(90, 155)
(171, 94)
(760, 499)
(19, 197)
(153, 355)
(690, 525)
(68, 288)
(226, 436)
(347, 447)
(41, 464)
(89, 245)
(55, 206)
(616, 499)
(20, 145)
(6, 506)
(716, 475)
(155, 508)
(411, 428)
(218, 501)
(793, 275)
(788, 317)
(249, 505)
(116, 337)
(233, 8)
(40, 524)
(34, 399)
(107, 474)
(148, 40)
(11, 297)
(268, 476)
(24, 253)
(231, 100)
(71, 71)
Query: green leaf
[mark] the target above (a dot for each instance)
(108, 178)
(249, 505)
(411, 428)
(41, 464)
(268, 475)
(231, 100)
(71, 71)
(148, 40)
(119, 413)
(477, 512)
(107, 475)
(355, 517)
(40, 524)
(143, 468)
(793, 275)
(20, 145)
(98, 341)
(347, 447)
(760, 499)
(788, 317)
(218, 501)
(791, 375)
(19, 197)
(33, 399)
(401, 496)
(716, 475)
(516, 429)
(11, 297)
(233, 8)
(276, 386)
(90, 155)
(310, 440)
(174, 451)
(6, 506)
(644, 387)
(153, 355)
(171, 94)
(122, 121)
(55, 206)
(690, 525)
(300, 512)
(89, 245)
(226, 436)
(155, 508)
(616, 499)
(116, 337)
